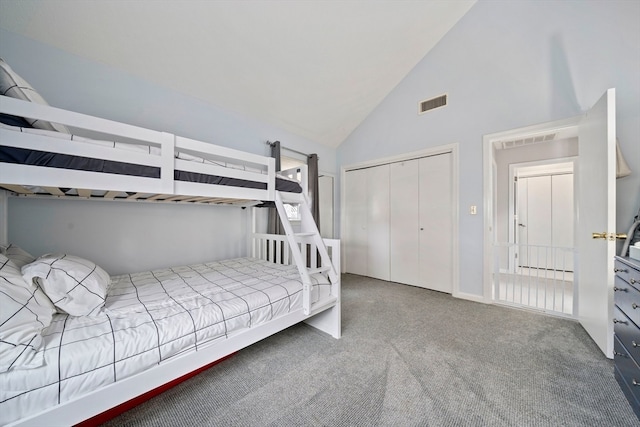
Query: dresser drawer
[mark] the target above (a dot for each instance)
(628, 299)
(627, 368)
(628, 273)
(627, 332)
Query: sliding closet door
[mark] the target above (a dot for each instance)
(356, 235)
(378, 222)
(436, 223)
(404, 244)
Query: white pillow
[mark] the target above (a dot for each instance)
(75, 285)
(17, 255)
(11, 84)
(25, 312)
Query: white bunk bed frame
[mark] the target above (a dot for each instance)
(287, 249)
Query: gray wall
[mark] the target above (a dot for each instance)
(506, 65)
(125, 237)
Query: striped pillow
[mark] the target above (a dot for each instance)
(18, 256)
(25, 312)
(11, 84)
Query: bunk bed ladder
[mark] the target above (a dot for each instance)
(309, 233)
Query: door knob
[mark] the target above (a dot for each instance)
(609, 236)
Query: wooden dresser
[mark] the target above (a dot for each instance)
(626, 318)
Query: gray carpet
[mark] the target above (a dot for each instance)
(408, 357)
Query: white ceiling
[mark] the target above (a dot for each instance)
(314, 68)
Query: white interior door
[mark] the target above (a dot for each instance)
(404, 244)
(356, 234)
(436, 224)
(596, 194)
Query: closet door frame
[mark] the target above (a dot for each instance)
(453, 149)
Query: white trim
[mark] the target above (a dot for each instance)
(472, 297)
(434, 151)
(453, 149)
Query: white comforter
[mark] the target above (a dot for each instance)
(148, 318)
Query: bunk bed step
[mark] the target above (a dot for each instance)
(304, 234)
(319, 269)
(291, 197)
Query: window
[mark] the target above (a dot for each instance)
(293, 210)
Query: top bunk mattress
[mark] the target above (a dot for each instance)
(32, 157)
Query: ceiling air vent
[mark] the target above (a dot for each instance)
(430, 104)
(528, 141)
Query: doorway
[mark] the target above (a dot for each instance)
(532, 246)
(538, 270)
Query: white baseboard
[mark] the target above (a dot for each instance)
(471, 297)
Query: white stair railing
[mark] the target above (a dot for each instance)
(534, 276)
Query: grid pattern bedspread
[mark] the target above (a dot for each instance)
(148, 318)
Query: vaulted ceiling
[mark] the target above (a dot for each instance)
(314, 68)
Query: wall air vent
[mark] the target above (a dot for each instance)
(430, 104)
(514, 143)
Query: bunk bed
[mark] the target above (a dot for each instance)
(82, 157)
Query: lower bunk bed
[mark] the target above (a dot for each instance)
(152, 328)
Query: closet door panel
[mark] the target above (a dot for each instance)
(356, 237)
(436, 223)
(539, 225)
(404, 222)
(562, 220)
(378, 222)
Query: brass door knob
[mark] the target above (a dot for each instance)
(610, 236)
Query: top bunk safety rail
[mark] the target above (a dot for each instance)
(170, 162)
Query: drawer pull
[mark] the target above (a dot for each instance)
(635, 344)
(619, 321)
(616, 289)
(634, 382)
(634, 305)
(620, 270)
(615, 353)
(633, 281)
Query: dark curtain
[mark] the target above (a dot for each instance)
(274, 226)
(312, 165)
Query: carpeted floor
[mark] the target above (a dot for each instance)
(408, 357)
